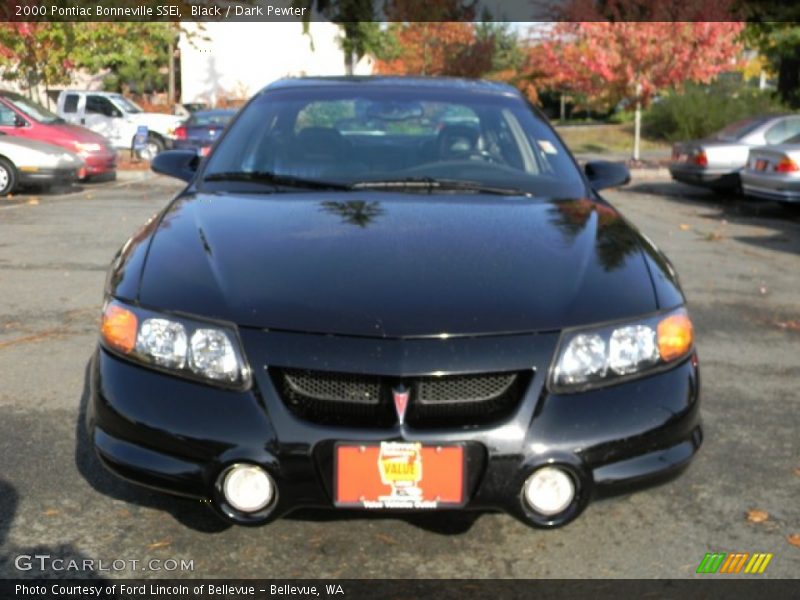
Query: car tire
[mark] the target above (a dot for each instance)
(154, 146)
(8, 177)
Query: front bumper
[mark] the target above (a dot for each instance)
(47, 176)
(178, 436)
(100, 164)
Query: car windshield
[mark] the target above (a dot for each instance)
(410, 138)
(203, 119)
(738, 129)
(129, 106)
(35, 111)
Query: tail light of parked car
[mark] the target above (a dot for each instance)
(700, 158)
(786, 165)
(180, 133)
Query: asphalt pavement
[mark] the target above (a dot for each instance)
(739, 263)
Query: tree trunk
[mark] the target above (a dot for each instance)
(348, 62)
(637, 122)
(171, 84)
(789, 79)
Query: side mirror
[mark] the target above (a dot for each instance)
(603, 174)
(181, 164)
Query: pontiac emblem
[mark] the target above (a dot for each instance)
(400, 394)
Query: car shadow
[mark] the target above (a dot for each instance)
(48, 191)
(200, 518)
(190, 513)
(37, 562)
(439, 522)
(784, 219)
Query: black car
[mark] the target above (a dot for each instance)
(201, 130)
(393, 316)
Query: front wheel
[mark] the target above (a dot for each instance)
(8, 177)
(153, 147)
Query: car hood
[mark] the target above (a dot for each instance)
(156, 120)
(67, 132)
(396, 265)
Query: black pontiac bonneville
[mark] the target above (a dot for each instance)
(393, 294)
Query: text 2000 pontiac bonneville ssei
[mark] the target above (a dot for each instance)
(393, 294)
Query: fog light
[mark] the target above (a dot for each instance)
(248, 488)
(549, 491)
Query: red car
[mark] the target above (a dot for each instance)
(20, 116)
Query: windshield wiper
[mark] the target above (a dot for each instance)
(275, 179)
(434, 184)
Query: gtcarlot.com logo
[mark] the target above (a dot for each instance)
(734, 562)
(45, 562)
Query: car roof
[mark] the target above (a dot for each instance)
(442, 83)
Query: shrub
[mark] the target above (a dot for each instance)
(701, 110)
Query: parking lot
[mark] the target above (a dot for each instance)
(739, 263)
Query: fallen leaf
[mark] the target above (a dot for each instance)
(161, 544)
(797, 471)
(685, 226)
(51, 512)
(793, 325)
(714, 236)
(33, 201)
(794, 539)
(386, 539)
(756, 515)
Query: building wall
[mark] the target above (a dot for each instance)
(231, 61)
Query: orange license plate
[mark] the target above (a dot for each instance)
(404, 475)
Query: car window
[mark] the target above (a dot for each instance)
(33, 109)
(783, 130)
(8, 117)
(127, 105)
(352, 135)
(100, 105)
(738, 129)
(71, 103)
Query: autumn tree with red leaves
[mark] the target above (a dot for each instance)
(609, 62)
(435, 37)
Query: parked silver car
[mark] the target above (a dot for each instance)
(773, 172)
(716, 161)
(29, 162)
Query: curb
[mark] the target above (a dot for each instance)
(647, 174)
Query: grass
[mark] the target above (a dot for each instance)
(602, 139)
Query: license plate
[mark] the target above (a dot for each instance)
(404, 475)
(761, 165)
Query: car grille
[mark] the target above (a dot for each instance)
(367, 401)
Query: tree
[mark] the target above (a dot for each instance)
(436, 37)
(508, 57)
(629, 61)
(779, 44)
(362, 34)
(136, 55)
(35, 54)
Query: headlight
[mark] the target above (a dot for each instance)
(179, 345)
(600, 356)
(83, 149)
